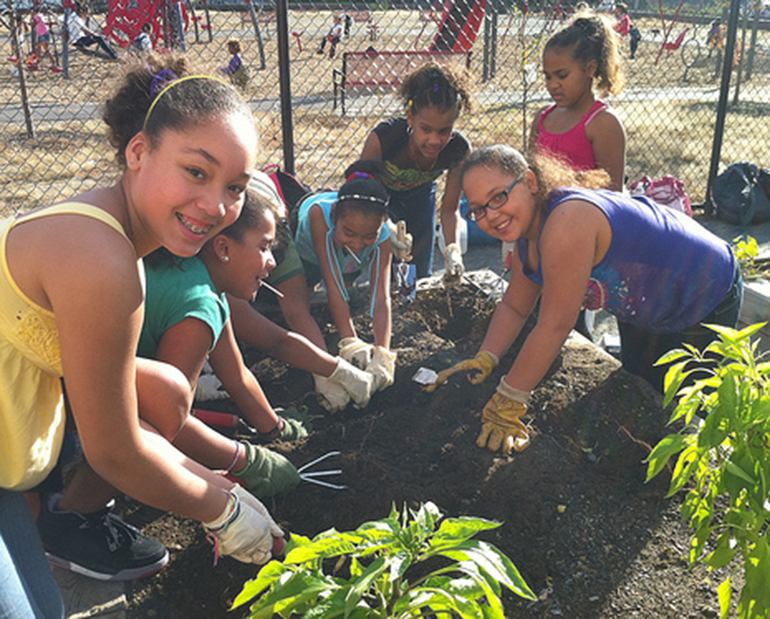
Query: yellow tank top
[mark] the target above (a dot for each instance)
(31, 402)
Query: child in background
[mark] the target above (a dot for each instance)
(238, 72)
(82, 37)
(333, 37)
(622, 19)
(337, 381)
(43, 36)
(416, 151)
(578, 128)
(587, 246)
(71, 304)
(341, 234)
(142, 44)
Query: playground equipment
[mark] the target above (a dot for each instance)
(459, 27)
(169, 20)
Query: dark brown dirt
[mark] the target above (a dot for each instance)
(588, 535)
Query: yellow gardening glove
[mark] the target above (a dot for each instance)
(481, 367)
(501, 425)
(400, 241)
(382, 367)
(356, 351)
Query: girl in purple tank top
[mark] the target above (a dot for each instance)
(658, 271)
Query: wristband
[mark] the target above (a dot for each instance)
(276, 431)
(517, 395)
(229, 514)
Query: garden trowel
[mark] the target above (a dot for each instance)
(406, 274)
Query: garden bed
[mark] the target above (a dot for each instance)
(588, 535)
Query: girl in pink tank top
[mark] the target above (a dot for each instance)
(579, 128)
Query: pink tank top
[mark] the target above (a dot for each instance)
(573, 146)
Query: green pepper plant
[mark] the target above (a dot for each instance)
(726, 455)
(746, 250)
(380, 571)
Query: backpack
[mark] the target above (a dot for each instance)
(668, 191)
(292, 192)
(741, 194)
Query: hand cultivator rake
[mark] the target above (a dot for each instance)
(312, 476)
(492, 289)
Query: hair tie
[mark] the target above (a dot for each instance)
(410, 103)
(356, 175)
(435, 87)
(160, 80)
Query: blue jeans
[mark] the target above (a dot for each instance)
(418, 208)
(28, 589)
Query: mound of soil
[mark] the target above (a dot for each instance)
(588, 535)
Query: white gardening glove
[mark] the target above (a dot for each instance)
(243, 532)
(356, 351)
(331, 395)
(383, 366)
(358, 384)
(209, 387)
(253, 502)
(400, 241)
(453, 262)
(279, 537)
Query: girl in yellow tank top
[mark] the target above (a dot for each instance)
(71, 307)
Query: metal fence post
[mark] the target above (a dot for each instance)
(724, 93)
(20, 68)
(257, 33)
(284, 75)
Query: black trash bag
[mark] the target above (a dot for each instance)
(741, 194)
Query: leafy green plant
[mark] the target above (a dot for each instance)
(746, 251)
(365, 574)
(728, 456)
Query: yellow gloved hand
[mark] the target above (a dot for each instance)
(481, 366)
(501, 425)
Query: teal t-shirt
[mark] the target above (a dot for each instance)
(175, 292)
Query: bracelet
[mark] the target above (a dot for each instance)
(276, 431)
(235, 457)
(232, 509)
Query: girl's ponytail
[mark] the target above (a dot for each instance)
(592, 37)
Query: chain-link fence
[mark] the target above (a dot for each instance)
(52, 143)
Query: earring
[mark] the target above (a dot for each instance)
(225, 258)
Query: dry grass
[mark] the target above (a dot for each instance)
(670, 131)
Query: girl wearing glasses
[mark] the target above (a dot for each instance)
(340, 235)
(658, 271)
(417, 149)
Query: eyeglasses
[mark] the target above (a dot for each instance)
(498, 201)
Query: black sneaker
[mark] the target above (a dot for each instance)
(99, 545)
